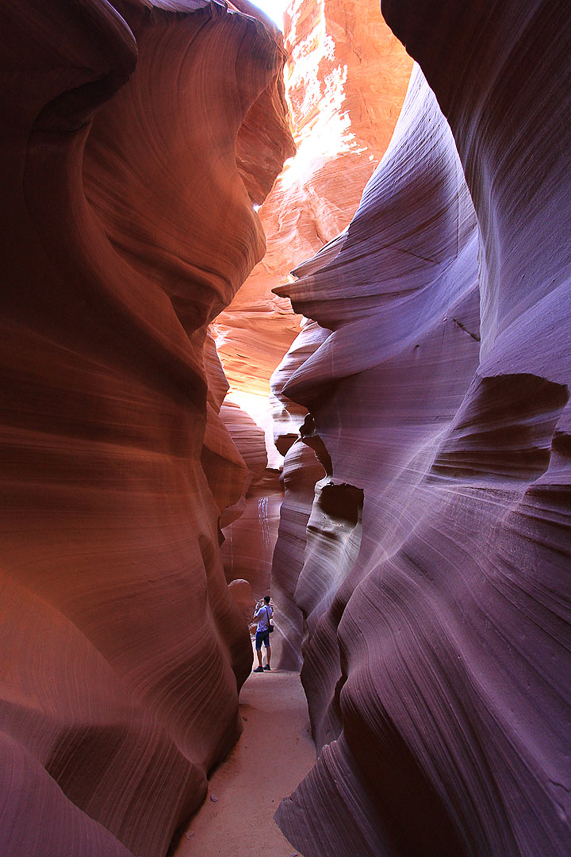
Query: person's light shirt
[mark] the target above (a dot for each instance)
(264, 613)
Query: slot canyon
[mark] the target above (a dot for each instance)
(286, 313)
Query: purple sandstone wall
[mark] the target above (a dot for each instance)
(435, 617)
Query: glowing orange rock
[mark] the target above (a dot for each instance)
(346, 81)
(127, 223)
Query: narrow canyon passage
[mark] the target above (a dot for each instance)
(287, 314)
(272, 756)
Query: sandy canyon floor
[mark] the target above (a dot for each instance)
(274, 753)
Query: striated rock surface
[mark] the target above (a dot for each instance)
(129, 134)
(242, 594)
(345, 79)
(433, 587)
(301, 470)
(250, 528)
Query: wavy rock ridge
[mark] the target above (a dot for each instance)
(432, 561)
(127, 224)
(345, 79)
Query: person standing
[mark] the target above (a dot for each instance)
(263, 614)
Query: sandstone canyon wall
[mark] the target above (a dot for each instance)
(345, 78)
(424, 541)
(428, 571)
(132, 157)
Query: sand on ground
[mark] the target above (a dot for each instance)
(272, 756)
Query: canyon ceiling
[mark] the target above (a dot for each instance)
(421, 569)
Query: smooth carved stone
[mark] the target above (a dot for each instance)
(288, 417)
(249, 528)
(223, 463)
(346, 80)
(242, 594)
(249, 541)
(437, 667)
(398, 274)
(301, 471)
(345, 95)
(342, 125)
(126, 225)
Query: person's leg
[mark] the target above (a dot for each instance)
(268, 651)
(259, 668)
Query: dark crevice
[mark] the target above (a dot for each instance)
(465, 329)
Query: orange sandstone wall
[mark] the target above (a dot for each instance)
(346, 78)
(127, 223)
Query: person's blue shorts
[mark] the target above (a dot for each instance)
(262, 637)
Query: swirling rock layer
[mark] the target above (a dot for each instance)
(127, 224)
(436, 614)
(345, 79)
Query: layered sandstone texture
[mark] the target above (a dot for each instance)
(433, 554)
(250, 534)
(133, 153)
(346, 78)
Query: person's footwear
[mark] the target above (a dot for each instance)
(268, 667)
(259, 670)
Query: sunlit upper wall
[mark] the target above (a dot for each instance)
(274, 9)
